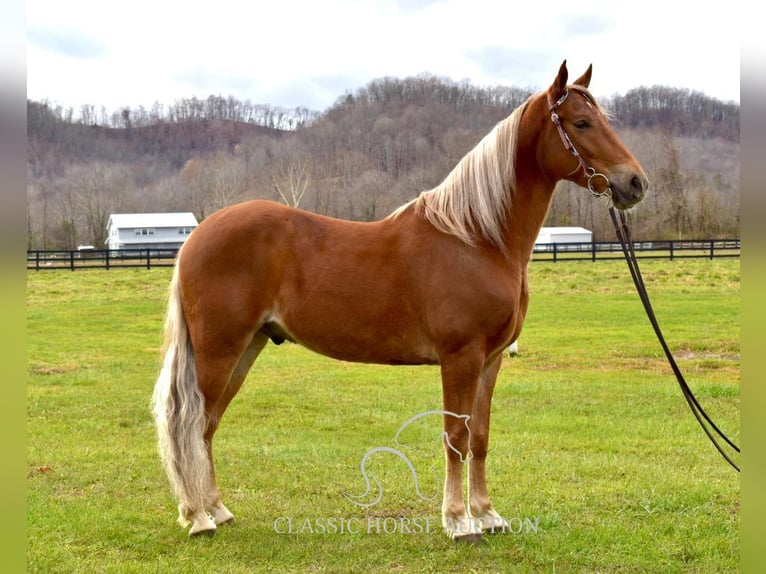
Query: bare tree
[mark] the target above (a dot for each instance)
(671, 185)
(66, 228)
(291, 177)
(229, 180)
(195, 180)
(100, 188)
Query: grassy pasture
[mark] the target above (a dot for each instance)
(594, 454)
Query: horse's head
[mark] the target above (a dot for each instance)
(579, 144)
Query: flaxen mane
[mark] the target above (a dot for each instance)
(474, 199)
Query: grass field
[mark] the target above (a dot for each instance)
(594, 457)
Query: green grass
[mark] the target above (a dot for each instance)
(592, 441)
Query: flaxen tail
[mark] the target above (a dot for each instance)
(179, 412)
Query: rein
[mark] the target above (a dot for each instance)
(623, 234)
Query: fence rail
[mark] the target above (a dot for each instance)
(603, 250)
(39, 260)
(100, 259)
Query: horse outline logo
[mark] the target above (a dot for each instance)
(358, 499)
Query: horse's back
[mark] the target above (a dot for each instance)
(333, 285)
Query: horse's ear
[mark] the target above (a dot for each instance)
(559, 85)
(584, 80)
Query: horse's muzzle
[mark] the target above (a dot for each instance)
(628, 189)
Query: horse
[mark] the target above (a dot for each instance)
(442, 281)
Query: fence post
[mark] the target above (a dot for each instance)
(671, 249)
(71, 260)
(148, 258)
(593, 251)
(106, 259)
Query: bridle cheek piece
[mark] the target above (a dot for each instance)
(589, 172)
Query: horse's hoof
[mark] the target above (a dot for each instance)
(202, 524)
(493, 525)
(463, 529)
(199, 533)
(221, 515)
(470, 538)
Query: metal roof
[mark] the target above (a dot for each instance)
(562, 230)
(155, 220)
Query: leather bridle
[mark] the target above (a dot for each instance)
(623, 234)
(590, 172)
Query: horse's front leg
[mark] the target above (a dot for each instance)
(480, 504)
(460, 378)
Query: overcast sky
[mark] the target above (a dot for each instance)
(308, 53)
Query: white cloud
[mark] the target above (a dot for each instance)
(301, 52)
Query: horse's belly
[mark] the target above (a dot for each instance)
(370, 343)
(380, 352)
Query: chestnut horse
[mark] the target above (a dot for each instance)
(442, 280)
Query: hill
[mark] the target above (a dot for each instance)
(54, 141)
(372, 150)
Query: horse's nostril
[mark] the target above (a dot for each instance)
(638, 185)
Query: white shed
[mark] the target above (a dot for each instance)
(149, 230)
(550, 235)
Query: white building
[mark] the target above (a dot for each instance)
(149, 230)
(549, 235)
(564, 235)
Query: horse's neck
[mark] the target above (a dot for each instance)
(532, 196)
(529, 207)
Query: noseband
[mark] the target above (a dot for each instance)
(590, 172)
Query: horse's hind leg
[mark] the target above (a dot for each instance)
(215, 409)
(215, 370)
(480, 505)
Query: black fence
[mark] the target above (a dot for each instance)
(101, 259)
(591, 251)
(602, 250)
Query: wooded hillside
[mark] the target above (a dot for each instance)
(374, 149)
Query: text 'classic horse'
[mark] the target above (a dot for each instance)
(443, 280)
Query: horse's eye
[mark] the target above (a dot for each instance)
(581, 124)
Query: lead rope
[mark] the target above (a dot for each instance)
(623, 234)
